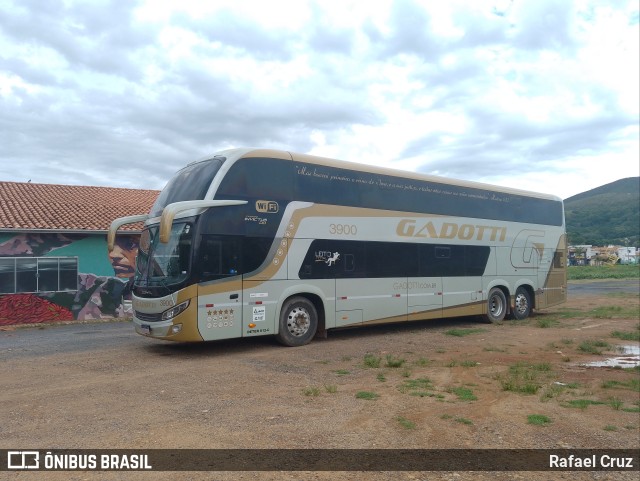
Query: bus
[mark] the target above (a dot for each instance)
(254, 242)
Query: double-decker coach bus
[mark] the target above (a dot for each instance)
(265, 242)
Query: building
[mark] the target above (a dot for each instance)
(54, 264)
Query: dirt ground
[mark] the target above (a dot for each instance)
(450, 392)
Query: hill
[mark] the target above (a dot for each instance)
(609, 214)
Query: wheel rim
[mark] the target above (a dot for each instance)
(298, 321)
(521, 304)
(496, 306)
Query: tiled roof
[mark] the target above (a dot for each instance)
(26, 206)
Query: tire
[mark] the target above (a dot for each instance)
(522, 304)
(298, 322)
(496, 306)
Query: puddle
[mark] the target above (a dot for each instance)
(629, 357)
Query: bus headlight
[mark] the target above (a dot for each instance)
(174, 311)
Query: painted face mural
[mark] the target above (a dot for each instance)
(123, 256)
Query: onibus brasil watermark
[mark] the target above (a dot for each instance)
(320, 460)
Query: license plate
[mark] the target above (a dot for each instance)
(145, 329)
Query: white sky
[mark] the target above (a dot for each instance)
(540, 95)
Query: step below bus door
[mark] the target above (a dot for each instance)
(424, 298)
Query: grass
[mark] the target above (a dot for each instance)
(405, 423)
(494, 349)
(551, 392)
(463, 332)
(603, 272)
(371, 360)
(311, 391)
(469, 363)
(633, 384)
(413, 385)
(524, 378)
(457, 419)
(421, 387)
(538, 419)
(581, 403)
(627, 335)
(331, 388)
(380, 377)
(609, 427)
(367, 395)
(616, 403)
(613, 312)
(546, 322)
(393, 361)
(464, 421)
(602, 312)
(593, 347)
(463, 393)
(342, 372)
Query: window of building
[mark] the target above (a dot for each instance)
(38, 274)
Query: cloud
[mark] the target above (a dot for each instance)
(125, 93)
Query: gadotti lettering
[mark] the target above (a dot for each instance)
(450, 230)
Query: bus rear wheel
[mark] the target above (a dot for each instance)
(496, 305)
(522, 304)
(298, 322)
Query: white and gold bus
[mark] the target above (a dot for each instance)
(265, 242)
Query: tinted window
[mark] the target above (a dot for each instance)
(391, 259)
(220, 256)
(47, 274)
(331, 185)
(68, 274)
(258, 179)
(7, 276)
(255, 251)
(26, 270)
(327, 259)
(190, 183)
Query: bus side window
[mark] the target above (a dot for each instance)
(220, 256)
(211, 257)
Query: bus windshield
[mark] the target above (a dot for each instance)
(164, 264)
(190, 183)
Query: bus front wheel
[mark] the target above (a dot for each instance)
(298, 322)
(496, 305)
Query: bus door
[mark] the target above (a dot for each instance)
(262, 288)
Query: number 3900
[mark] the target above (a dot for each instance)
(347, 229)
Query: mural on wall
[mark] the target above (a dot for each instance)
(100, 292)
